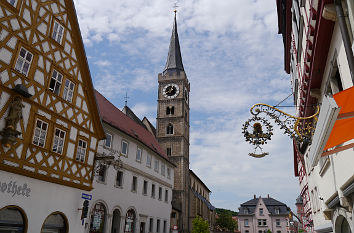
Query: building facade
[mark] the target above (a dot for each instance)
(259, 215)
(134, 193)
(49, 122)
(172, 130)
(318, 38)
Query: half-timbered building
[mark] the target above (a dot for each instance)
(49, 122)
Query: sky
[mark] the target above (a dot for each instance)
(233, 57)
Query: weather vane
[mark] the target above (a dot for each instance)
(175, 6)
(126, 98)
(257, 130)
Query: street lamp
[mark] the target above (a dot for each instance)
(257, 130)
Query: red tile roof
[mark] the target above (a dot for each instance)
(116, 118)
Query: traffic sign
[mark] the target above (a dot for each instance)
(86, 196)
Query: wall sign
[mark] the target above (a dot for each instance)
(12, 188)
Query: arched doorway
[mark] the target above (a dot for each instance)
(344, 227)
(130, 220)
(116, 221)
(12, 220)
(55, 223)
(98, 218)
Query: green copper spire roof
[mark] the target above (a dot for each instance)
(174, 58)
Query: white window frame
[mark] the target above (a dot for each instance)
(163, 169)
(139, 153)
(24, 61)
(246, 222)
(157, 165)
(108, 135)
(81, 150)
(127, 148)
(261, 211)
(277, 222)
(148, 160)
(58, 141)
(68, 91)
(40, 133)
(58, 31)
(57, 79)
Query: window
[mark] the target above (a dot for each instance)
(58, 31)
(246, 222)
(277, 211)
(119, 179)
(134, 184)
(153, 191)
(157, 165)
(262, 222)
(170, 110)
(55, 82)
(102, 173)
(168, 173)
(277, 222)
(260, 231)
(169, 129)
(278, 231)
(160, 193)
(68, 90)
(245, 211)
(246, 231)
(12, 2)
(81, 151)
(24, 61)
(54, 221)
(58, 143)
(169, 151)
(166, 195)
(145, 187)
(158, 225)
(124, 148)
(260, 211)
(138, 154)
(164, 226)
(40, 133)
(12, 219)
(151, 224)
(108, 140)
(148, 160)
(163, 169)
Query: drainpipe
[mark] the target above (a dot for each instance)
(345, 36)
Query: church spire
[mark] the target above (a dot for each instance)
(174, 58)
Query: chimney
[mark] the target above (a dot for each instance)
(254, 196)
(268, 195)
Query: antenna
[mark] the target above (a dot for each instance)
(126, 98)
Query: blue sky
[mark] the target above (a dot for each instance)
(233, 58)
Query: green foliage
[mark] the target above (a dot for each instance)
(225, 221)
(220, 211)
(200, 225)
(269, 231)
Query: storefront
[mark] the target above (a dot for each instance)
(130, 220)
(98, 218)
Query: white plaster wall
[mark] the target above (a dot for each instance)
(45, 198)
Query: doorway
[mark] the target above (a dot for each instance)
(116, 221)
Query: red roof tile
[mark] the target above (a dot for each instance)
(115, 117)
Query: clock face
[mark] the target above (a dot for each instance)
(170, 91)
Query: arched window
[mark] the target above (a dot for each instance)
(116, 221)
(169, 129)
(170, 110)
(130, 221)
(98, 217)
(55, 223)
(12, 219)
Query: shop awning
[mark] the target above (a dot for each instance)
(343, 129)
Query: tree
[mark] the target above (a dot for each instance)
(200, 225)
(225, 222)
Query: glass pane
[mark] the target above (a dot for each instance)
(19, 63)
(29, 57)
(25, 68)
(22, 52)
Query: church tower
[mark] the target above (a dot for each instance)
(173, 127)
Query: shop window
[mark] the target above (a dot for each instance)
(169, 129)
(81, 150)
(68, 92)
(59, 139)
(12, 220)
(58, 31)
(55, 223)
(24, 61)
(130, 220)
(98, 217)
(40, 133)
(55, 82)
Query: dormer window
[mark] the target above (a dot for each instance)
(260, 211)
(277, 211)
(245, 211)
(169, 129)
